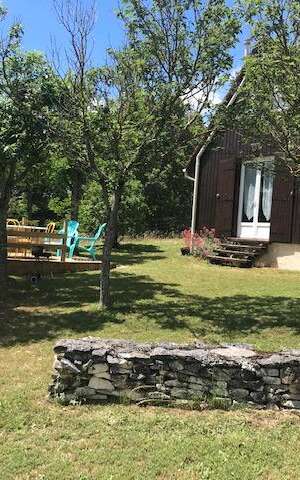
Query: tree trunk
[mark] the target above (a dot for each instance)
(76, 193)
(116, 241)
(6, 183)
(29, 204)
(3, 245)
(105, 297)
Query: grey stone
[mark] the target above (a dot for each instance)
(158, 396)
(84, 392)
(172, 383)
(258, 397)
(275, 360)
(196, 387)
(135, 355)
(233, 352)
(167, 375)
(291, 404)
(132, 395)
(87, 365)
(294, 352)
(111, 368)
(122, 371)
(291, 396)
(98, 368)
(270, 372)
(99, 353)
(272, 380)
(239, 393)
(162, 388)
(101, 384)
(179, 393)
(288, 375)
(200, 381)
(113, 360)
(176, 365)
(220, 375)
(67, 365)
(104, 375)
(294, 388)
(219, 391)
(256, 386)
(99, 396)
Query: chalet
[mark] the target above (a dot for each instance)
(254, 210)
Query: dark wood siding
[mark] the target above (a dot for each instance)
(207, 190)
(282, 207)
(296, 212)
(225, 195)
(219, 191)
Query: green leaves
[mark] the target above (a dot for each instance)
(270, 110)
(185, 43)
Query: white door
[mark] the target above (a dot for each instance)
(255, 202)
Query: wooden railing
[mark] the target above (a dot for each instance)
(20, 238)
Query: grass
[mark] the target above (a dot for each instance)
(158, 295)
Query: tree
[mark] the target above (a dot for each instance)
(176, 49)
(23, 120)
(269, 106)
(75, 91)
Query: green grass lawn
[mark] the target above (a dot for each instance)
(158, 295)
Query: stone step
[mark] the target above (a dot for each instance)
(235, 253)
(248, 241)
(241, 247)
(237, 262)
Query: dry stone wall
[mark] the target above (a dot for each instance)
(92, 369)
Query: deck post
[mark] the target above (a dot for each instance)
(64, 245)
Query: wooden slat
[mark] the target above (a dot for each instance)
(26, 228)
(28, 266)
(18, 233)
(29, 245)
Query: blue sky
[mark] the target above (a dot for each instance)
(39, 21)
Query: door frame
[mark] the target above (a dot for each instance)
(260, 230)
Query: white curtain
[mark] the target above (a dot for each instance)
(249, 191)
(267, 190)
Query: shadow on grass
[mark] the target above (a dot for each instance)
(69, 304)
(132, 253)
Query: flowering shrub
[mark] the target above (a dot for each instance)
(201, 244)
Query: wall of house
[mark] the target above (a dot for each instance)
(218, 173)
(285, 256)
(105, 370)
(218, 193)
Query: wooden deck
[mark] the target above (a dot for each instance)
(28, 266)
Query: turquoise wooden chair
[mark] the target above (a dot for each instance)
(72, 236)
(91, 248)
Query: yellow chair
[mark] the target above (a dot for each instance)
(13, 221)
(50, 227)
